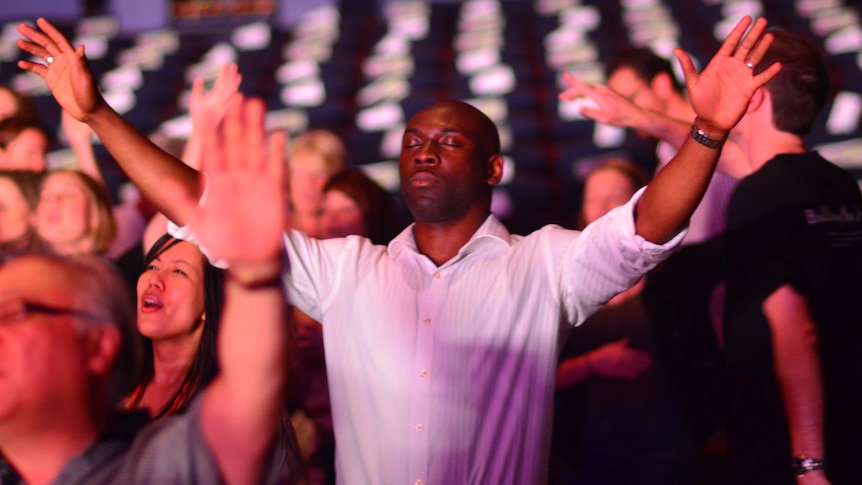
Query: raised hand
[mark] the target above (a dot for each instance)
(239, 220)
(65, 70)
(721, 93)
(213, 104)
(603, 103)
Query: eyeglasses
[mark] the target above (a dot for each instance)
(15, 309)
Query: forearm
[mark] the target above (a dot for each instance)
(674, 193)
(796, 360)
(245, 402)
(573, 371)
(166, 181)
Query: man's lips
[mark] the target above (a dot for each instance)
(422, 179)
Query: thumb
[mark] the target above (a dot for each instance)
(687, 65)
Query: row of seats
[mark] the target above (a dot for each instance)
(363, 76)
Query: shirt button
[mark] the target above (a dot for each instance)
(423, 373)
(419, 427)
(427, 321)
(436, 276)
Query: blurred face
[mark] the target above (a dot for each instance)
(26, 151)
(8, 104)
(626, 82)
(15, 215)
(603, 191)
(171, 295)
(65, 217)
(43, 355)
(341, 216)
(308, 175)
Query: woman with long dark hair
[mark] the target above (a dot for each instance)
(180, 297)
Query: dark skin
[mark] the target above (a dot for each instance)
(449, 163)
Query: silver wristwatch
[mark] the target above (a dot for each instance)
(800, 465)
(701, 137)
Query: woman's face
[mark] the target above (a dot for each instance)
(25, 152)
(341, 216)
(603, 191)
(171, 295)
(65, 217)
(15, 216)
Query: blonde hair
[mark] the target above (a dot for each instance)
(106, 226)
(323, 143)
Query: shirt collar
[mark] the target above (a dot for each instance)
(490, 232)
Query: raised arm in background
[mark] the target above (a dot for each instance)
(171, 185)
(210, 105)
(616, 110)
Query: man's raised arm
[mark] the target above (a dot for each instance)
(167, 182)
(719, 97)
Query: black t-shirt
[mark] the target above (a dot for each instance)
(797, 221)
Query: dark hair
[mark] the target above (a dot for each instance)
(377, 206)
(646, 64)
(25, 109)
(800, 90)
(28, 183)
(205, 365)
(13, 126)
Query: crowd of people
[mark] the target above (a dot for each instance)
(278, 321)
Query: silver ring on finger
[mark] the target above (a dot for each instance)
(749, 64)
(49, 60)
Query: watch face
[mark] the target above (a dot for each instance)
(801, 465)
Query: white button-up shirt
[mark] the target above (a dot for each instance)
(444, 374)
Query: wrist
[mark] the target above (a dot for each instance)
(708, 135)
(801, 465)
(257, 276)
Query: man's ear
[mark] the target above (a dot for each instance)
(495, 169)
(103, 347)
(760, 100)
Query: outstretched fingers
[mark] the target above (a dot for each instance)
(576, 88)
(751, 40)
(729, 46)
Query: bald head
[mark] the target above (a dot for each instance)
(483, 129)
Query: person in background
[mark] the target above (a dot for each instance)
(616, 419)
(22, 145)
(180, 298)
(353, 203)
(792, 323)
(19, 197)
(314, 157)
(74, 214)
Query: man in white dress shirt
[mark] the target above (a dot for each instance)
(441, 347)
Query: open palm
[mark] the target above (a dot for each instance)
(239, 219)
